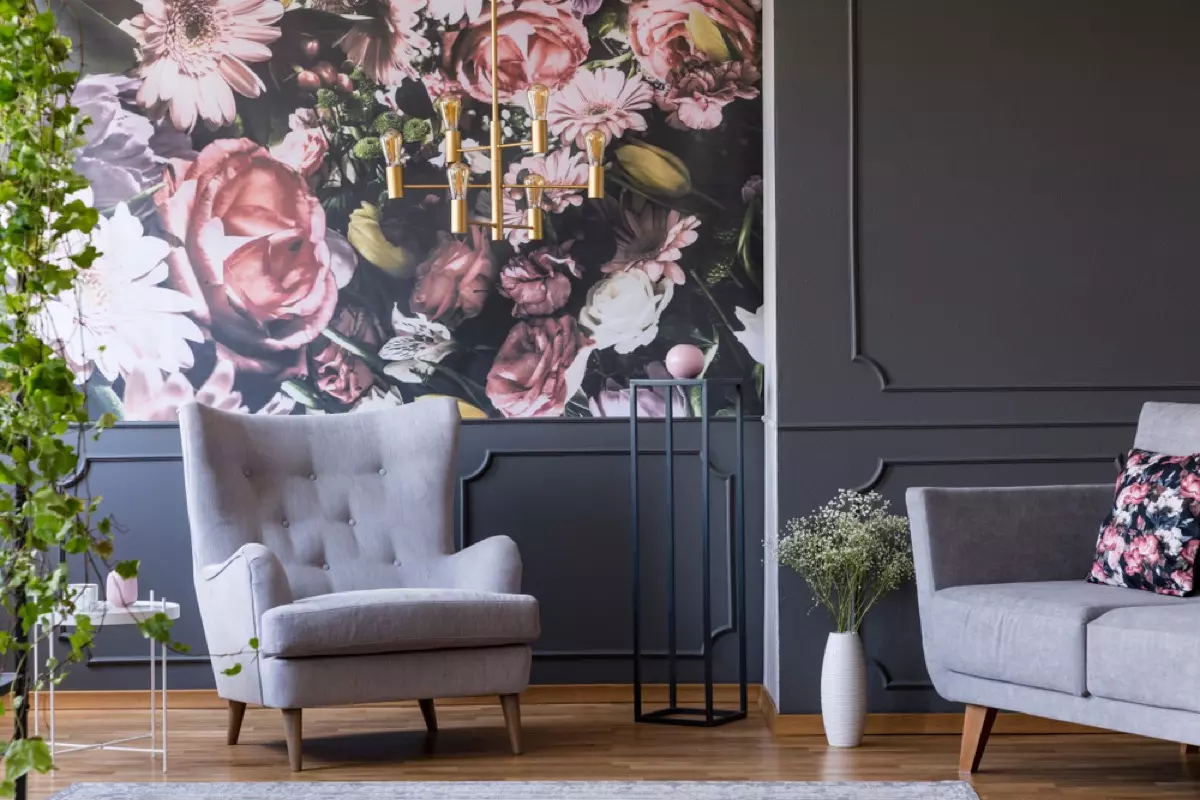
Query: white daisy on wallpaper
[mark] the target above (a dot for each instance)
(119, 318)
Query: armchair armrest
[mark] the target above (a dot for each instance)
(232, 597)
(963, 537)
(493, 565)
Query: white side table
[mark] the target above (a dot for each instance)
(104, 615)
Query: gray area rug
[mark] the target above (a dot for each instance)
(553, 790)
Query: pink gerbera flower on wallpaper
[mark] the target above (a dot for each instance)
(561, 167)
(388, 46)
(653, 241)
(195, 54)
(607, 99)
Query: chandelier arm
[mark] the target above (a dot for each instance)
(570, 186)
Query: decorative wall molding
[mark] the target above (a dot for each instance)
(858, 354)
(464, 539)
(883, 464)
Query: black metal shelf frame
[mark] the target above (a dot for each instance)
(674, 713)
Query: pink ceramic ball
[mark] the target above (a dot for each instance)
(685, 361)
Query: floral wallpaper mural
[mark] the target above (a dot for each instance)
(253, 261)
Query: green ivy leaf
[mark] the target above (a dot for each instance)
(127, 569)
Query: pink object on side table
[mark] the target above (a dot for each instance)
(121, 592)
(685, 361)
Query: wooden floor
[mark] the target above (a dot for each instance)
(599, 742)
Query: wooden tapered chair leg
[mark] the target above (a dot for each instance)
(237, 711)
(977, 727)
(430, 715)
(511, 703)
(292, 726)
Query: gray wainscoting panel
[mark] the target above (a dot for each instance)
(560, 489)
(974, 200)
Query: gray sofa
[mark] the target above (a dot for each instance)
(328, 540)
(1008, 621)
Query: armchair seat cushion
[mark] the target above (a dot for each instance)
(1147, 656)
(1031, 634)
(396, 621)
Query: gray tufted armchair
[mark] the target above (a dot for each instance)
(329, 540)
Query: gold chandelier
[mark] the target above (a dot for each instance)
(459, 174)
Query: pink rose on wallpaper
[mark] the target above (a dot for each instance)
(538, 283)
(698, 90)
(661, 37)
(1133, 494)
(539, 367)
(196, 54)
(338, 372)
(1189, 486)
(303, 150)
(456, 279)
(254, 253)
(540, 41)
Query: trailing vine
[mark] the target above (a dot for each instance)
(45, 250)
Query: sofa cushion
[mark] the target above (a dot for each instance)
(1149, 656)
(1032, 634)
(396, 621)
(1151, 535)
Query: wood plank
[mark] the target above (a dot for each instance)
(601, 742)
(197, 699)
(936, 724)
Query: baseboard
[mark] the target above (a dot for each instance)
(913, 724)
(543, 694)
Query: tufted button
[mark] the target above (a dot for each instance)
(352, 523)
(325, 567)
(246, 472)
(382, 471)
(312, 476)
(287, 524)
(396, 563)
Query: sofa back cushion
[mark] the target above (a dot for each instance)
(1169, 428)
(1150, 537)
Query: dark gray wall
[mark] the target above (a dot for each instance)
(559, 488)
(987, 252)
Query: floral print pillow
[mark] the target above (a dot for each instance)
(1149, 539)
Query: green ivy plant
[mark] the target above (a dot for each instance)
(44, 246)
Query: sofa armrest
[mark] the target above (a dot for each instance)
(963, 537)
(493, 565)
(232, 597)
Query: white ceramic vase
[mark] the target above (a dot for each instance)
(843, 690)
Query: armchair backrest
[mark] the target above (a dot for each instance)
(1169, 428)
(346, 502)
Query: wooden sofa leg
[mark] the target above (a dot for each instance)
(430, 714)
(237, 711)
(977, 727)
(511, 703)
(292, 726)
(1188, 749)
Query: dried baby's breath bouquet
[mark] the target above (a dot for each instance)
(851, 552)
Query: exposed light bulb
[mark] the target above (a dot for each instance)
(594, 142)
(535, 190)
(393, 147)
(450, 107)
(460, 179)
(539, 100)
